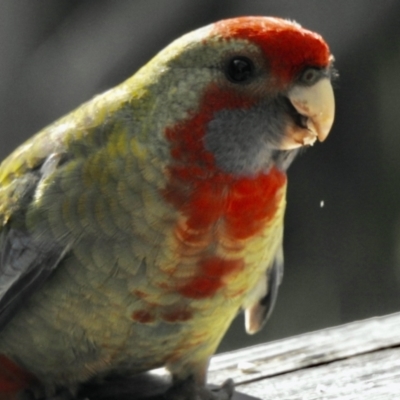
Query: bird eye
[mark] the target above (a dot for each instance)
(310, 76)
(239, 69)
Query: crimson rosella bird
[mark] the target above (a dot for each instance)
(134, 229)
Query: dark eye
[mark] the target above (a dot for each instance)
(310, 76)
(239, 69)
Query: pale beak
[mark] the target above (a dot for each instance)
(316, 108)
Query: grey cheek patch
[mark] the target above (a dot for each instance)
(245, 141)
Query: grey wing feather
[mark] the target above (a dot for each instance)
(265, 293)
(23, 269)
(25, 261)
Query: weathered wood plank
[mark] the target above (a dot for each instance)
(369, 376)
(307, 350)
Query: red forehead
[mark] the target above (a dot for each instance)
(288, 47)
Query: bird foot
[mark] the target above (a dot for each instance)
(189, 390)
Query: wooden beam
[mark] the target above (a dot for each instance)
(360, 357)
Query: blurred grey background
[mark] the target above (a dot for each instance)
(342, 242)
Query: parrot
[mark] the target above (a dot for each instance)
(134, 229)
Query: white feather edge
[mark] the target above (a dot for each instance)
(254, 314)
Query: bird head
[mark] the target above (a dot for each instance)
(245, 93)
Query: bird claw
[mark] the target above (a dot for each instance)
(225, 391)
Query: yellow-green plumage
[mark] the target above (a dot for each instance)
(135, 243)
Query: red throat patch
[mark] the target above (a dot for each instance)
(206, 196)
